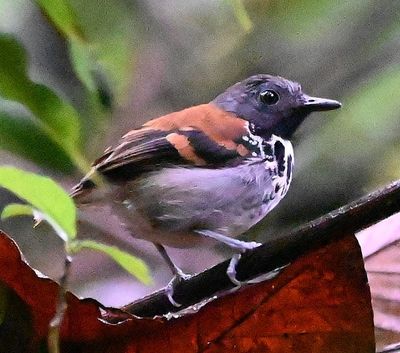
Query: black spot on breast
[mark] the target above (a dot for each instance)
(269, 154)
(268, 197)
(280, 157)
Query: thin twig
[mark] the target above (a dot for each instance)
(275, 253)
(53, 341)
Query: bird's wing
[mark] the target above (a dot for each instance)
(203, 136)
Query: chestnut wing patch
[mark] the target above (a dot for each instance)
(202, 136)
(149, 150)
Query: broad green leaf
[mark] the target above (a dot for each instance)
(57, 119)
(109, 42)
(89, 50)
(22, 136)
(64, 19)
(45, 195)
(241, 14)
(63, 16)
(128, 262)
(16, 209)
(83, 62)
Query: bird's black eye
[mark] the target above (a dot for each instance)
(269, 97)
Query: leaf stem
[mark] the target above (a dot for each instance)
(53, 339)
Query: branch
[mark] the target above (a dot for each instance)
(276, 253)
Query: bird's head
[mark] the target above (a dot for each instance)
(271, 104)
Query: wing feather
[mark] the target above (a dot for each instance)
(201, 136)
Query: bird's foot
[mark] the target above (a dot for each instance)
(232, 274)
(169, 289)
(231, 270)
(243, 246)
(236, 244)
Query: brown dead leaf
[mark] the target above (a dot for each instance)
(381, 248)
(320, 303)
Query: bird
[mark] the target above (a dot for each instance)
(210, 171)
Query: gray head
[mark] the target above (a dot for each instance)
(272, 104)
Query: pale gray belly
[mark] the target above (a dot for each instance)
(228, 200)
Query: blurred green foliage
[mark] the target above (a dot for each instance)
(47, 129)
(99, 44)
(22, 136)
(48, 201)
(55, 118)
(241, 14)
(51, 132)
(44, 196)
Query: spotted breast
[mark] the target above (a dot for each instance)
(227, 200)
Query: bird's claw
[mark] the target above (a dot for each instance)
(231, 270)
(169, 289)
(249, 245)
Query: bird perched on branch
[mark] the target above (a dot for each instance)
(209, 171)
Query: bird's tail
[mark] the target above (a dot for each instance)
(81, 190)
(80, 194)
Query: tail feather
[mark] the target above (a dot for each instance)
(80, 191)
(83, 187)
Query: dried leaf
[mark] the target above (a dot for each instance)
(381, 248)
(320, 303)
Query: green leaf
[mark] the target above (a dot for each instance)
(16, 209)
(45, 195)
(22, 136)
(57, 119)
(128, 262)
(109, 44)
(63, 16)
(241, 15)
(61, 13)
(83, 62)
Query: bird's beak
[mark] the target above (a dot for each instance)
(320, 104)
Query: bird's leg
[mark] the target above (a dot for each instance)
(178, 274)
(240, 245)
(176, 271)
(231, 242)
